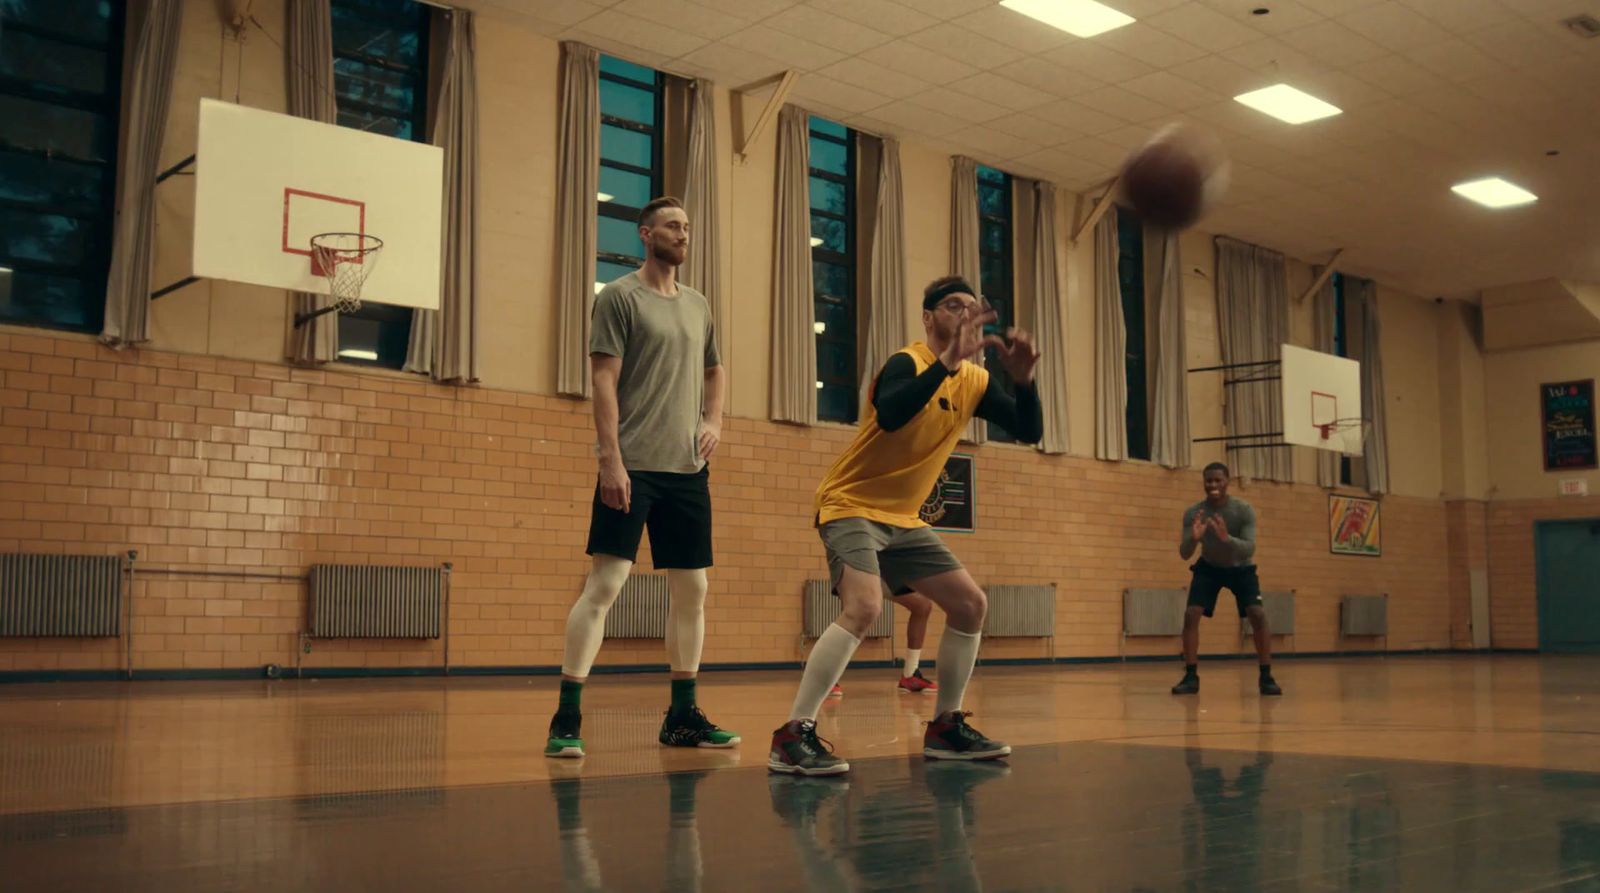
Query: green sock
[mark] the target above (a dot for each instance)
(682, 694)
(571, 696)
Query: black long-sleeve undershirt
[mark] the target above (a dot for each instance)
(900, 393)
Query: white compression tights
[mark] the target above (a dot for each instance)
(586, 622)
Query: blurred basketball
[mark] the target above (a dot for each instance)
(1172, 180)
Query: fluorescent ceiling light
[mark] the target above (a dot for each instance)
(1083, 18)
(1493, 192)
(598, 286)
(815, 241)
(604, 196)
(1285, 103)
(819, 327)
(359, 354)
(819, 385)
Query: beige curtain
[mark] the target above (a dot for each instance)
(1163, 286)
(148, 96)
(1376, 449)
(965, 259)
(701, 269)
(1323, 327)
(1110, 346)
(1049, 321)
(1253, 322)
(794, 339)
(310, 71)
(444, 341)
(886, 300)
(577, 214)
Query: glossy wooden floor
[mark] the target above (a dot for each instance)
(1370, 774)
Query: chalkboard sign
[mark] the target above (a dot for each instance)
(1568, 431)
(949, 506)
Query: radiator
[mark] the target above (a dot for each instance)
(1364, 615)
(821, 608)
(1021, 611)
(1279, 608)
(640, 611)
(350, 601)
(1153, 612)
(60, 595)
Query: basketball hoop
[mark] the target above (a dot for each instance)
(345, 260)
(1338, 426)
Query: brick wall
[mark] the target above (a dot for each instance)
(206, 463)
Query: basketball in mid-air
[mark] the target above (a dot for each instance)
(1174, 177)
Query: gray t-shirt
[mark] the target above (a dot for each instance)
(666, 343)
(1240, 519)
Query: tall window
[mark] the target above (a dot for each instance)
(994, 250)
(60, 96)
(1130, 278)
(1341, 347)
(380, 78)
(630, 163)
(833, 267)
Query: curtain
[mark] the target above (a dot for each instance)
(310, 70)
(886, 300)
(1163, 283)
(1110, 346)
(444, 341)
(144, 124)
(1323, 326)
(577, 214)
(701, 270)
(1049, 317)
(965, 260)
(794, 342)
(1253, 322)
(1375, 448)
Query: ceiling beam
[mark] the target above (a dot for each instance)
(1101, 206)
(1328, 269)
(780, 93)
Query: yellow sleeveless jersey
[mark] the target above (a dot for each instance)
(885, 476)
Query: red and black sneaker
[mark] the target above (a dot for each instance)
(796, 750)
(916, 683)
(950, 738)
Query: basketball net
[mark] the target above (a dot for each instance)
(345, 260)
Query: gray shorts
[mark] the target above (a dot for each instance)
(899, 555)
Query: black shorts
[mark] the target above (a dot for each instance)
(1210, 580)
(676, 508)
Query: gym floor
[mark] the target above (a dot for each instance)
(1407, 773)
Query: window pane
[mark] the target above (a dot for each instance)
(375, 335)
(837, 319)
(837, 403)
(823, 125)
(988, 176)
(46, 238)
(626, 146)
(625, 187)
(26, 178)
(619, 236)
(830, 231)
(29, 58)
(829, 156)
(996, 278)
(388, 125)
(620, 68)
(622, 101)
(831, 279)
(49, 128)
(606, 272)
(993, 237)
(392, 91)
(992, 200)
(827, 195)
(59, 301)
(836, 360)
(390, 30)
(84, 19)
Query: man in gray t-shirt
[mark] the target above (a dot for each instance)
(1223, 529)
(657, 418)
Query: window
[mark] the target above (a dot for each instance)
(1350, 474)
(1130, 279)
(630, 163)
(994, 255)
(380, 79)
(833, 268)
(60, 99)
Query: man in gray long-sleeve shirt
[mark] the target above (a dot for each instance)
(1223, 528)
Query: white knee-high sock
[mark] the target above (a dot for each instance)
(958, 653)
(686, 619)
(913, 660)
(586, 622)
(826, 664)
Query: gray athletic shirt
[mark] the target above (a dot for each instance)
(666, 343)
(1241, 521)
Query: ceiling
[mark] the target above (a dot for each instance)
(1434, 92)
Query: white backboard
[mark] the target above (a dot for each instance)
(266, 183)
(1319, 388)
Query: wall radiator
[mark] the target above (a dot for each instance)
(60, 595)
(1364, 615)
(640, 611)
(1279, 608)
(1021, 611)
(1153, 612)
(821, 608)
(351, 601)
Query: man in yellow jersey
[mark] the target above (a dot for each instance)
(867, 516)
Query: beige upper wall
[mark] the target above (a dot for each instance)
(518, 82)
(1511, 397)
